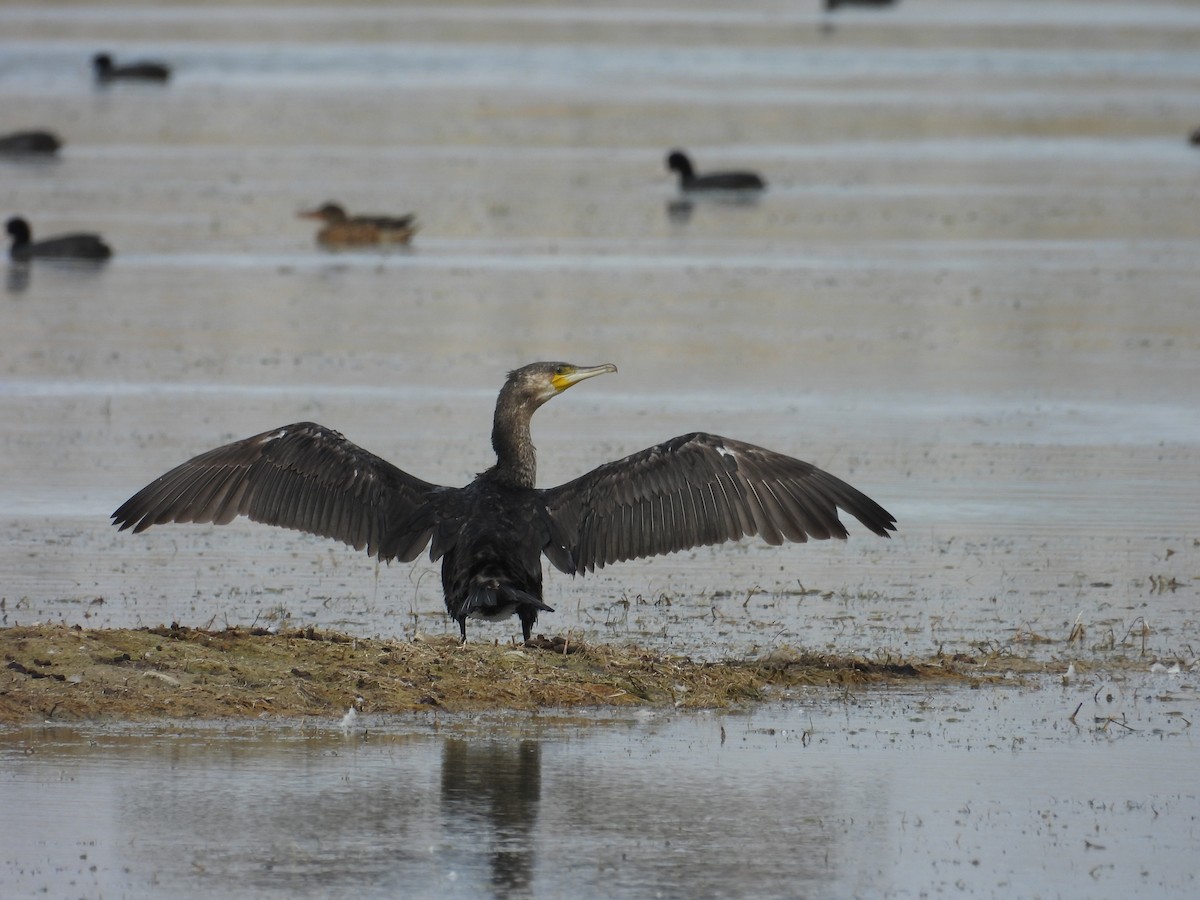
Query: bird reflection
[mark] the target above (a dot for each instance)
(494, 787)
(18, 279)
(679, 211)
(20, 273)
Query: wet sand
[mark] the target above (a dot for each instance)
(970, 290)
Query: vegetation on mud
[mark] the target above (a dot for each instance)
(69, 673)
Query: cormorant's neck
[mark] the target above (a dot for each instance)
(516, 459)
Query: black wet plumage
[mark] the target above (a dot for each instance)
(678, 161)
(29, 143)
(692, 490)
(834, 5)
(65, 246)
(107, 70)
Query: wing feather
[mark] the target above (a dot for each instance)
(218, 494)
(700, 489)
(228, 510)
(304, 477)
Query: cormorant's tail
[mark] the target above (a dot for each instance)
(492, 599)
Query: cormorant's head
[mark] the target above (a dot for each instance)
(536, 383)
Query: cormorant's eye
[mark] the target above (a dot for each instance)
(562, 370)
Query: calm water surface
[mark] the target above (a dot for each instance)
(892, 793)
(971, 290)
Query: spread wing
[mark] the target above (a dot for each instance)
(301, 476)
(693, 490)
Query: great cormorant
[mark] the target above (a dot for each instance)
(677, 161)
(692, 490)
(344, 230)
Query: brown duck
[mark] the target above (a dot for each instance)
(344, 230)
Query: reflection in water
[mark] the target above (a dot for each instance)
(494, 787)
(889, 794)
(680, 209)
(20, 274)
(18, 278)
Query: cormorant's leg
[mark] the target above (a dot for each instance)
(527, 624)
(462, 627)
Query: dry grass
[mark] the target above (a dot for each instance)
(68, 673)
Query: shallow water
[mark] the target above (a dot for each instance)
(893, 793)
(970, 290)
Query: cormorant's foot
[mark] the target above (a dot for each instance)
(556, 644)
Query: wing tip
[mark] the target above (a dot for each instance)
(122, 520)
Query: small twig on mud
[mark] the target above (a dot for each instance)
(750, 594)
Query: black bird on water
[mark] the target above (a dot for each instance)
(29, 143)
(677, 161)
(64, 246)
(832, 5)
(106, 70)
(692, 490)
